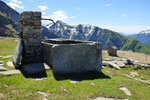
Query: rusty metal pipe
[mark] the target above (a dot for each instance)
(49, 20)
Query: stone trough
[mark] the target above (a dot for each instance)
(72, 56)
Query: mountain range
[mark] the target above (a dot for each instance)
(9, 26)
(94, 33)
(143, 36)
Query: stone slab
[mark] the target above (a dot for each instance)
(120, 64)
(103, 98)
(17, 54)
(33, 68)
(125, 90)
(10, 72)
(10, 63)
(3, 68)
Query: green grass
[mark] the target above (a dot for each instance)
(7, 46)
(17, 87)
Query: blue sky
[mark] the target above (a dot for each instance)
(126, 16)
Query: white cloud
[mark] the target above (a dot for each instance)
(58, 15)
(16, 1)
(126, 29)
(14, 5)
(43, 13)
(43, 7)
(73, 17)
(107, 5)
(78, 8)
(124, 15)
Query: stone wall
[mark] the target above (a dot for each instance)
(31, 37)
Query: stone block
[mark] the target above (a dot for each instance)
(17, 54)
(37, 22)
(37, 39)
(29, 13)
(37, 44)
(34, 68)
(37, 14)
(72, 57)
(27, 29)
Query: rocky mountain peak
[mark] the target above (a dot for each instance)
(145, 32)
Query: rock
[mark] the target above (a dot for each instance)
(3, 68)
(74, 81)
(142, 77)
(134, 74)
(129, 62)
(132, 62)
(1, 63)
(103, 67)
(63, 88)
(137, 79)
(72, 56)
(120, 63)
(34, 68)
(37, 79)
(145, 65)
(108, 59)
(114, 65)
(9, 63)
(103, 98)
(46, 66)
(7, 56)
(2, 95)
(126, 91)
(43, 93)
(135, 62)
(93, 84)
(10, 72)
(105, 63)
(17, 54)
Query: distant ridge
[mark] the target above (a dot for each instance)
(143, 36)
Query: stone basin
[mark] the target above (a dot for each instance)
(72, 56)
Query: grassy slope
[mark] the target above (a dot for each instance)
(20, 88)
(7, 26)
(108, 38)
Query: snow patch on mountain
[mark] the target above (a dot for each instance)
(145, 32)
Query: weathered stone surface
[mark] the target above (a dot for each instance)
(1, 63)
(134, 74)
(74, 58)
(105, 63)
(120, 63)
(10, 72)
(44, 94)
(3, 68)
(114, 65)
(103, 98)
(125, 90)
(7, 56)
(2, 96)
(74, 81)
(34, 68)
(10, 63)
(17, 54)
